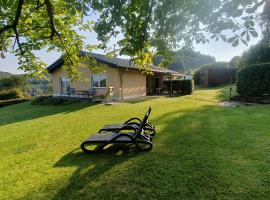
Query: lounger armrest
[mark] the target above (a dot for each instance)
(126, 127)
(132, 119)
(133, 123)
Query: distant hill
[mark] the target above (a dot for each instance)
(5, 74)
(186, 64)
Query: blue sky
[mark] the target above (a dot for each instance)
(220, 50)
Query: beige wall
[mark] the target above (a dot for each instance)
(78, 85)
(126, 83)
(134, 83)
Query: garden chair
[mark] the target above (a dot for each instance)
(133, 123)
(136, 137)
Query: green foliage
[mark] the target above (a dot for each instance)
(13, 87)
(14, 81)
(186, 61)
(142, 28)
(259, 53)
(33, 25)
(13, 93)
(184, 87)
(187, 86)
(50, 100)
(9, 94)
(235, 61)
(254, 80)
(143, 24)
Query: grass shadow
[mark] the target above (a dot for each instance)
(99, 164)
(140, 99)
(197, 154)
(26, 111)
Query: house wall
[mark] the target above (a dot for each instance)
(78, 85)
(133, 82)
(126, 83)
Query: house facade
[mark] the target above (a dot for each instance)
(118, 79)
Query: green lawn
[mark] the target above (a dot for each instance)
(201, 151)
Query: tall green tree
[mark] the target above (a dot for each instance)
(142, 28)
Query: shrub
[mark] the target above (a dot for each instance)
(9, 94)
(186, 86)
(180, 86)
(13, 94)
(50, 100)
(254, 80)
(15, 81)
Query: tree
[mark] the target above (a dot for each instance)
(259, 53)
(14, 81)
(235, 61)
(148, 27)
(187, 62)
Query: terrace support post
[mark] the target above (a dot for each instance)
(170, 85)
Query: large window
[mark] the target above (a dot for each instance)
(99, 81)
(65, 86)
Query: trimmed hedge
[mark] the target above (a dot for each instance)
(254, 80)
(180, 86)
(50, 100)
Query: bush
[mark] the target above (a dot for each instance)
(180, 86)
(9, 94)
(50, 100)
(15, 81)
(186, 86)
(254, 80)
(13, 94)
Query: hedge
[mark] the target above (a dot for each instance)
(14, 93)
(254, 80)
(9, 94)
(180, 86)
(50, 100)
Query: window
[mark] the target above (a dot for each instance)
(99, 81)
(64, 86)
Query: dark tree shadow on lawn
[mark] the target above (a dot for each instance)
(167, 171)
(102, 162)
(195, 156)
(26, 111)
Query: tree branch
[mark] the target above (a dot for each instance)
(16, 20)
(50, 12)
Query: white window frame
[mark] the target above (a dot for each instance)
(98, 75)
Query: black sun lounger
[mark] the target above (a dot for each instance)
(133, 123)
(101, 140)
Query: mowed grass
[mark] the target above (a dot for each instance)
(201, 151)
